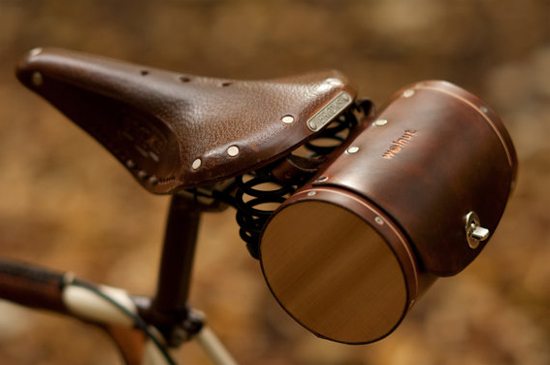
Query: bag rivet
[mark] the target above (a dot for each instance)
(380, 122)
(321, 178)
(352, 149)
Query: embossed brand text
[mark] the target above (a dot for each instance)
(399, 144)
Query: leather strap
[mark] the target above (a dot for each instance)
(175, 131)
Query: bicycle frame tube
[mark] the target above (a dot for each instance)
(169, 307)
(74, 298)
(166, 318)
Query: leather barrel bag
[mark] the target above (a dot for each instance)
(414, 194)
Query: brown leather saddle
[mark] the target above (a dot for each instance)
(176, 131)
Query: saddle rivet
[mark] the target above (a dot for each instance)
(233, 151)
(352, 149)
(311, 193)
(333, 81)
(408, 93)
(379, 220)
(287, 119)
(484, 109)
(196, 164)
(321, 178)
(141, 174)
(37, 78)
(35, 51)
(380, 123)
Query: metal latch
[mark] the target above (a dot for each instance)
(474, 232)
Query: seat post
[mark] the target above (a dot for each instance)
(169, 309)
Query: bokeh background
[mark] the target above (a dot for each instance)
(65, 203)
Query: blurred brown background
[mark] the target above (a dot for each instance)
(66, 204)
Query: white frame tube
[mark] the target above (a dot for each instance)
(88, 305)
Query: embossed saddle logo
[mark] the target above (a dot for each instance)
(149, 142)
(399, 144)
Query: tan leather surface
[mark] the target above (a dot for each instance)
(441, 154)
(160, 124)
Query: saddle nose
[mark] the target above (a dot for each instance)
(176, 131)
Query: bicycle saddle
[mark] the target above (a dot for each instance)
(176, 131)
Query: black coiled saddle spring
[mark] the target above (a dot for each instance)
(259, 193)
(256, 199)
